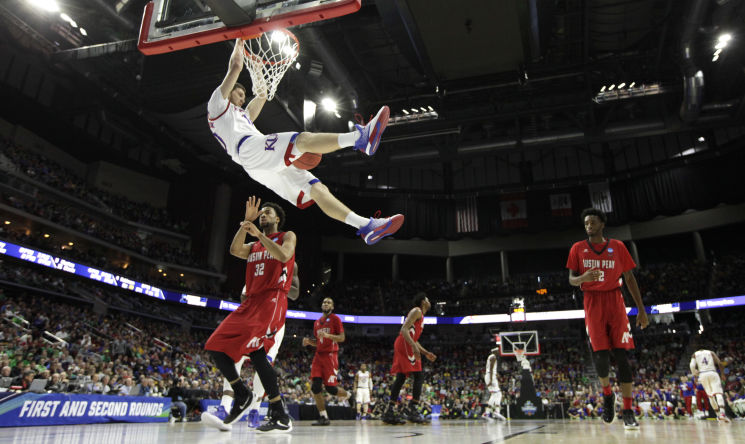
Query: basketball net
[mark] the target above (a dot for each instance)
(267, 58)
(519, 354)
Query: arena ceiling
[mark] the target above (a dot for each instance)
(503, 77)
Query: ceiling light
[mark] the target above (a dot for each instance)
(720, 45)
(47, 5)
(182, 274)
(82, 31)
(160, 270)
(7, 222)
(430, 109)
(610, 88)
(424, 110)
(298, 66)
(602, 89)
(70, 244)
(621, 85)
(715, 58)
(725, 38)
(369, 177)
(701, 139)
(46, 235)
(717, 52)
(336, 113)
(405, 112)
(165, 274)
(414, 110)
(350, 125)
(328, 104)
(632, 84)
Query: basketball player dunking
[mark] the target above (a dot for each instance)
(252, 328)
(596, 266)
(705, 366)
(407, 360)
(329, 332)
(268, 158)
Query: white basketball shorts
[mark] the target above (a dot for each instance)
(711, 382)
(268, 160)
(362, 396)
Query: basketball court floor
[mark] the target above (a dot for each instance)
(373, 432)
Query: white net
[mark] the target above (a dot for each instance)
(267, 58)
(519, 354)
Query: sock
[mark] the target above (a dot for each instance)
(627, 403)
(607, 391)
(348, 139)
(323, 414)
(356, 220)
(226, 402)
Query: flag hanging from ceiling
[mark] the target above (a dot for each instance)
(467, 215)
(600, 196)
(561, 204)
(514, 210)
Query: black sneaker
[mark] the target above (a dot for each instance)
(390, 416)
(278, 421)
(629, 420)
(239, 406)
(412, 414)
(609, 408)
(322, 421)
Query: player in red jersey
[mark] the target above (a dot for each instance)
(596, 266)
(251, 328)
(329, 332)
(407, 360)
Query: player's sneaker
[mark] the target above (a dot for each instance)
(414, 415)
(487, 416)
(629, 420)
(378, 228)
(609, 408)
(239, 407)
(369, 137)
(211, 420)
(723, 418)
(253, 418)
(277, 419)
(390, 416)
(322, 421)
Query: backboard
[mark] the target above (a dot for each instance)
(172, 25)
(510, 340)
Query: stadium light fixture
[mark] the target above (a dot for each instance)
(701, 139)
(631, 85)
(71, 243)
(610, 88)
(621, 85)
(720, 44)
(328, 104)
(82, 31)
(715, 58)
(298, 66)
(7, 222)
(46, 235)
(369, 177)
(602, 89)
(725, 38)
(405, 112)
(47, 5)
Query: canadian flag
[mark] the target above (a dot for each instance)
(514, 210)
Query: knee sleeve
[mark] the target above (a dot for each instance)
(602, 363)
(316, 386)
(396, 386)
(624, 368)
(418, 381)
(267, 375)
(332, 390)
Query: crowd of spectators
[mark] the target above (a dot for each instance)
(57, 176)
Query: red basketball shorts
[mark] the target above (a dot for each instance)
(325, 366)
(404, 360)
(606, 322)
(252, 326)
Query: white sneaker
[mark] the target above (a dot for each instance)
(213, 421)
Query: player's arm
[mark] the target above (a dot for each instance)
(282, 253)
(239, 247)
(427, 354)
(718, 363)
(234, 69)
(310, 342)
(641, 316)
(692, 365)
(414, 315)
(255, 106)
(294, 292)
(339, 337)
(356, 380)
(591, 275)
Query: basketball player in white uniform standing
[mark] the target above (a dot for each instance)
(704, 366)
(492, 384)
(258, 389)
(268, 159)
(362, 389)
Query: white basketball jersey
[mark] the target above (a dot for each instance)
(363, 380)
(229, 125)
(491, 372)
(705, 361)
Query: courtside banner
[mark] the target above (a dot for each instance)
(32, 409)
